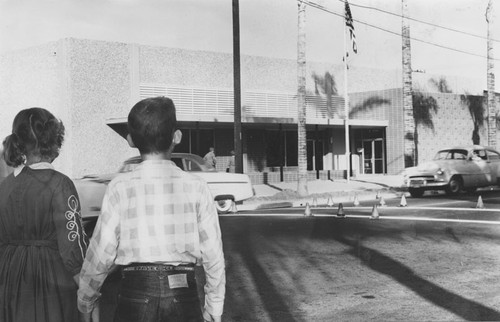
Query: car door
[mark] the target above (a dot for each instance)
(494, 164)
(482, 171)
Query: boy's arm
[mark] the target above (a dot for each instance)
(101, 253)
(212, 254)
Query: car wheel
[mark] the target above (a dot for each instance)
(223, 206)
(416, 192)
(454, 186)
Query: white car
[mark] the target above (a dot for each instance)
(455, 169)
(225, 187)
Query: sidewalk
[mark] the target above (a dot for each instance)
(284, 194)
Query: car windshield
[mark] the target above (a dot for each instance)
(455, 154)
(129, 165)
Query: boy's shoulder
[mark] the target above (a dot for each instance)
(171, 172)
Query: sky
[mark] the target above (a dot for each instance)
(269, 28)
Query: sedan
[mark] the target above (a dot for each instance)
(455, 169)
(227, 188)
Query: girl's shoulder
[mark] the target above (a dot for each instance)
(49, 175)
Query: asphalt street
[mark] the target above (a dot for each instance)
(435, 259)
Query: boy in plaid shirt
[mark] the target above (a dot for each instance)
(156, 222)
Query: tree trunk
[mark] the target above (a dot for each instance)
(301, 102)
(492, 111)
(408, 119)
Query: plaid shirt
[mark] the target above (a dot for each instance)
(156, 213)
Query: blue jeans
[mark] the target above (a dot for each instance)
(146, 296)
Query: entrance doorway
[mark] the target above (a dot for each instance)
(372, 156)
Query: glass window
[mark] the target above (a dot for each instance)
(191, 165)
(291, 149)
(178, 162)
(481, 154)
(492, 155)
(274, 148)
(441, 155)
(460, 155)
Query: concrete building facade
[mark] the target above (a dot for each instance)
(91, 86)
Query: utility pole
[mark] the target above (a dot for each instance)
(301, 101)
(408, 118)
(238, 151)
(492, 111)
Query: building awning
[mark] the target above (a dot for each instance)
(119, 125)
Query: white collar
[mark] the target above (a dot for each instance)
(34, 166)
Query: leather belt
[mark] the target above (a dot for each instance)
(158, 267)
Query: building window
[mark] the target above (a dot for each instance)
(281, 147)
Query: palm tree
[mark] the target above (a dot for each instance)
(492, 119)
(476, 110)
(301, 101)
(441, 85)
(368, 104)
(327, 86)
(409, 122)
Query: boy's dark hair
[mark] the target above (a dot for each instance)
(34, 130)
(152, 123)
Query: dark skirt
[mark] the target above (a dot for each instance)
(35, 285)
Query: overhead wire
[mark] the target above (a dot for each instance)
(320, 7)
(420, 21)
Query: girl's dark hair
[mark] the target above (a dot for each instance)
(34, 130)
(151, 124)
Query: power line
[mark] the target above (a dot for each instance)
(317, 6)
(420, 21)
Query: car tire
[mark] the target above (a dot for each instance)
(224, 205)
(454, 186)
(416, 192)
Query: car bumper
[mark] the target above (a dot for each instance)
(426, 183)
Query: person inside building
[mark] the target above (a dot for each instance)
(210, 158)
(156, 222)
(42, 241)
(231, 167)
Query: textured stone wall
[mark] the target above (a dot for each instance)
(180, 67)
(452, 126)
(34, 77)
(86, 82)
(99, 78)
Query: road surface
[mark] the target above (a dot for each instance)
(436, 259)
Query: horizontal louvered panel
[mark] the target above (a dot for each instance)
(190, 101)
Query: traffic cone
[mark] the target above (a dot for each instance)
(307, 211)
(382, 202)
(480, 204)
(403, 201)
(234, 210)
(356, 201)
(375, 214)
(340, 212)
(315, 202)
(330, 202)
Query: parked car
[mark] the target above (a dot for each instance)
(225, 187)
(455, 169)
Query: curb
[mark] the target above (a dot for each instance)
(322, 199)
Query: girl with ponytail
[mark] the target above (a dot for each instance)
(42, 242)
